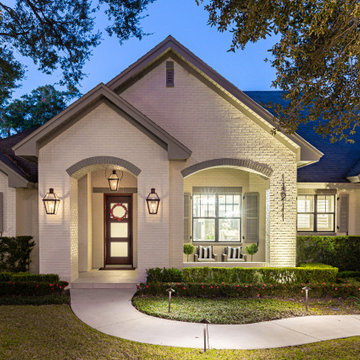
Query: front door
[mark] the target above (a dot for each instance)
(118, 230)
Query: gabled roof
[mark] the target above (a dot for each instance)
(341, 160)
(171, 47)
(29, 146)
(20, 171)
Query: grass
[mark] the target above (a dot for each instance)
(35, 300)
(53, 332)
(239, 311)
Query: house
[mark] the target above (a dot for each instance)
(191, 159)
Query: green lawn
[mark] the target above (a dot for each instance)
(52, 332)
(239, 311)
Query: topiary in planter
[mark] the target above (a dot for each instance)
(251, 250)
(189, 249)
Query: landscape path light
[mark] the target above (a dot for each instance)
(306, 288)
(206, 333)
(170, 291)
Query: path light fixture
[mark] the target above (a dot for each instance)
(113, 181)
(153, 202)
(170, 291)
(51, 202)
(206, 333)
(306, 288)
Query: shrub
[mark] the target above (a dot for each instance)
(342, 252)
(31, 288)
(189, 249)
(255, 275)
(163, 275)
(318, 290)
(349, 275)
(50, 278)
(15, 253)
(251, 250)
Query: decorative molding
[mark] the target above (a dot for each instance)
(263, 169)
(124, 190)
(100, 160)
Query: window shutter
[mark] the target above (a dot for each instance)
(1, 213)
(251, 217)
(344, 213)
(187, 216)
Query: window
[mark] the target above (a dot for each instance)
(316, 213)
(216, 214)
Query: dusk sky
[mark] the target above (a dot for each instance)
(185, 21)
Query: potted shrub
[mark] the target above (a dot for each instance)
(189, 249)
(251, 250)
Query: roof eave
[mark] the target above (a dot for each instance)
(29, 147)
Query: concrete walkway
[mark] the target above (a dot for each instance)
(111, 312)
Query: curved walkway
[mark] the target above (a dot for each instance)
(111, 312)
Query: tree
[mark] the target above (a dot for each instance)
(59, 34)
(316, 59)
(33, 109)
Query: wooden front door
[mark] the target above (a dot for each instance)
(118, 229)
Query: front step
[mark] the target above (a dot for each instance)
(89, 285)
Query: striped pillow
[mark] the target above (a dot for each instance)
(234, 252)
(205, 252)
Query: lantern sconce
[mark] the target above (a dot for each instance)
(114, 180)
(51, 202)
(153, 202)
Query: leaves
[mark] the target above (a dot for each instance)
(316, 59)
(33, 109)
(59, 34)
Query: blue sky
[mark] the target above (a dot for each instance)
(187, 22)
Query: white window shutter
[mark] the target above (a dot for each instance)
(251, 217)
(343, 213)
(187, 216)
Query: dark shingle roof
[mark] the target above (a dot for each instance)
(340, 159)
(25, 168)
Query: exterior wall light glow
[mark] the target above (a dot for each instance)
(153, 202)
(51, 202)
(113, 180)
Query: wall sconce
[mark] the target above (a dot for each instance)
(153, 202)
(51, 202)
(113, 180)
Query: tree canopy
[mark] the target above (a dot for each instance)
(316, 58)
(61, 34)
(33, 109)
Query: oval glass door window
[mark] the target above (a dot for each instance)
(118, 211)
(119, 249)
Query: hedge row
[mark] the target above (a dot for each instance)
(30, 288)
(8, 276)
(242, 275)
(15, 253)
(318, 290)
(342, 252)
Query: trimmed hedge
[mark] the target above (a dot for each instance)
(164, 275)
(15, 253)
(31, 288)
(318, 290)
(342, 252)
(50, 278)
(243, 275)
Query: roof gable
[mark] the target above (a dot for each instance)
(170, 47)
(29, 147)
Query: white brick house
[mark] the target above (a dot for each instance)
(168, 122)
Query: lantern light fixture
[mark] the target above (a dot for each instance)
(113, 180)
(51, 202)
(153, 202)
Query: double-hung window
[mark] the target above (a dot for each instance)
(216, 214)
(316, 213)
